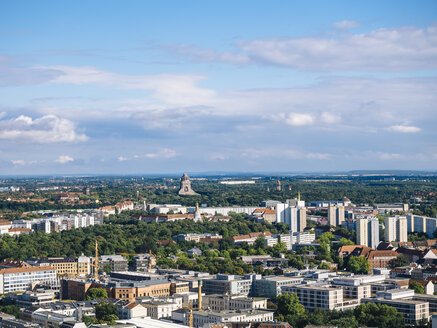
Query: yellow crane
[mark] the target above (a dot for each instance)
(199, 306)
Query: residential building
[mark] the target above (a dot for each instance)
(396, 228)
(293, 213)
(367, 228)
(431, 226)
(335, 215)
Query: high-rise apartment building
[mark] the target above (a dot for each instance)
(396, 228)
(335, 215)
(368, 231)
(293, 213)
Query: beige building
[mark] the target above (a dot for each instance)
(335, 215)
(200, 318)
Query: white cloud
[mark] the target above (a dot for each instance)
(176, 89)
(390, 156)
(345, 25)
(404, 129)
(208, 55)
(299, 119)
(164, 153)
(384, 49)
(329, 118)
(46, 129)
(18, 162)
(63, 159)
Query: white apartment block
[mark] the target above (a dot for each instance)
(396, 228)
(293, 213)
(367, 229)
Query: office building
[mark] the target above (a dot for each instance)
(19, 278)
(313, 297)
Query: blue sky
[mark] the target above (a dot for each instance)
(157, 87)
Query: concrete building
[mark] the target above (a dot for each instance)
(228, 284)
(200, 318)
(312, 297)
(416, 223)
(335, 215)
(431, 226)
(232, 302)
(271, 286)
(396, 228)
(19, 278)
(116, 262)
(411, 310)
(293, 213)
(368, 231)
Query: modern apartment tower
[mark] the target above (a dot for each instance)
(396, 228)
(293, 213)
(368, 231)
(335, 215)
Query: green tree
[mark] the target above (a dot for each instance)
(289, 308)
(358, 264)
(417, 287)
(106, 313)
(324, 266)
(107, 268)
(402, 260)
(378, 315)
(345, 242)
(96, 293)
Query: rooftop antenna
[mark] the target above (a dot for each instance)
(298, 196)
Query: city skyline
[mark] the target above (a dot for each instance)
(143, 87)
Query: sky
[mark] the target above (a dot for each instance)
(137, 87)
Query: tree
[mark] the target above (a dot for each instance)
(324, 266)
(402, 260)
(358, 264)
(106, 313)
(107, 268)
(96, 293)
(345, 242)
(378, 315)
(289, 308)
(418, 288)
